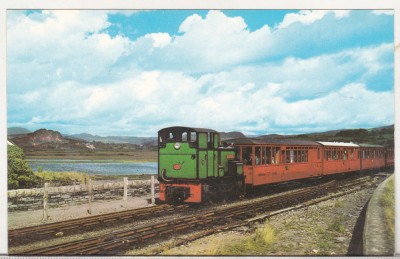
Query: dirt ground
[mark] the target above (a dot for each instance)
(30, 218)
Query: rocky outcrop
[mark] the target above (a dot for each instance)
(44, 138)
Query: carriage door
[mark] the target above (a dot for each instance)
(316, 160)
(203, 156)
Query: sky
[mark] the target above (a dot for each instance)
(255, 71)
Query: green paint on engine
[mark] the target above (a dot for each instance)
(178, 163)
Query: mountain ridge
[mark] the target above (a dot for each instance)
(379, 135)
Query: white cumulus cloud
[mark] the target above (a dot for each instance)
(309, 16)
(160, 40)
(66, 71)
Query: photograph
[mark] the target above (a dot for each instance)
(230, 131)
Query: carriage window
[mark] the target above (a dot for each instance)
(297, 155)
(258, 156)
(304, 156)
(289, 156)
(267, 155)
(263, 156)
(276, 155)
(246, 155)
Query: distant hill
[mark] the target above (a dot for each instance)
(17, 131)
(379, 136)
(52, 144)
(43, 138)
(231, 135)
(49, 139)
(113, 139)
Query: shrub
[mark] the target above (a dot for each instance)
(20, 175)
(62, 178)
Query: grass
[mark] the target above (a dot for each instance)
(259, 243)
(337, 225)
(67, 178)
(62, 178)
(265, 239)
(387, 202)
(117, 177)
(339, 203)
(128, 156)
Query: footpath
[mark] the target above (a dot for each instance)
(376, 237)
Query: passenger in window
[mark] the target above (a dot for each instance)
(248, 161)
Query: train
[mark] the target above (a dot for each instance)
(196, 166)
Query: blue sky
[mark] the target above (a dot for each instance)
(255, 71)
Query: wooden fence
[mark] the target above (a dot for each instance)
(51, 196)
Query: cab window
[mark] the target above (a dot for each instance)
(184, 137)
(177, 135)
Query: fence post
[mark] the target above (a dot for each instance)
(152, 190)
(45, 201)
(125, 190)
(90, 195)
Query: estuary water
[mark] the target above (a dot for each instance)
(103, 167)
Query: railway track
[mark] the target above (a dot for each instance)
(113, 243)
(62, 228)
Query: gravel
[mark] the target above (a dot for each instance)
(324, 229)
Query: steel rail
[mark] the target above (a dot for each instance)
(118, 240)
(33, 233)
(182, 241)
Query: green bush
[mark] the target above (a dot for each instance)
(20, 175)
(62, 178)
